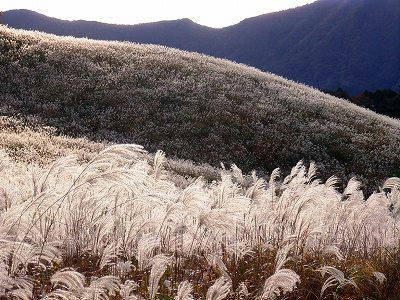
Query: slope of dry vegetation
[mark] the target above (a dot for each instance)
(192, 106)
(28, 142)
(117, 227)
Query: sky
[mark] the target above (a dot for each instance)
(213, 13)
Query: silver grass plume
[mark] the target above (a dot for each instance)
(159, 265)
(294, 172)
(275, 174)
(145, 248)
(312, 172)
(283, 280)
(333, 250)
(219, 290)
(68, 278)
(61, 294)
(237, 174)
(184, 291)
(352, 188)
(21, 294)
(336, 278)
(273, 183)
(158, 162)
(256, 191)
(280, 283)
(332, 182)
(392, 183)
(282, 256)
(108, 255)
(69, 284)
(101, 288)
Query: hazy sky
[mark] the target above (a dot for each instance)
(214, 13)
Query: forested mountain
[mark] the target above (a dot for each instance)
(353, 44)
(386, 102)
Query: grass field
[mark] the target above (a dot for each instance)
(84, 218)
(118, 227)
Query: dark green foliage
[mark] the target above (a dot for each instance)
(386, 102)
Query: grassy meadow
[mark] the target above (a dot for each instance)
(87, 213)
(191, 106)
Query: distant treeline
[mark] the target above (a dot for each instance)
(386, 102)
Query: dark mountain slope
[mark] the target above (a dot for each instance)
(331, 43)
(182, 34)
(353, 44)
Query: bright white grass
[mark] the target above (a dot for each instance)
(120, 208)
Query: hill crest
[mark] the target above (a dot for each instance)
(326, 44)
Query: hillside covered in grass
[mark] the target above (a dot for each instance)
(29, 143)
(192, 106)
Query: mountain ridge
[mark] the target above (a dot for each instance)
(326, 44)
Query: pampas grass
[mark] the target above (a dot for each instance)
(117, 227)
